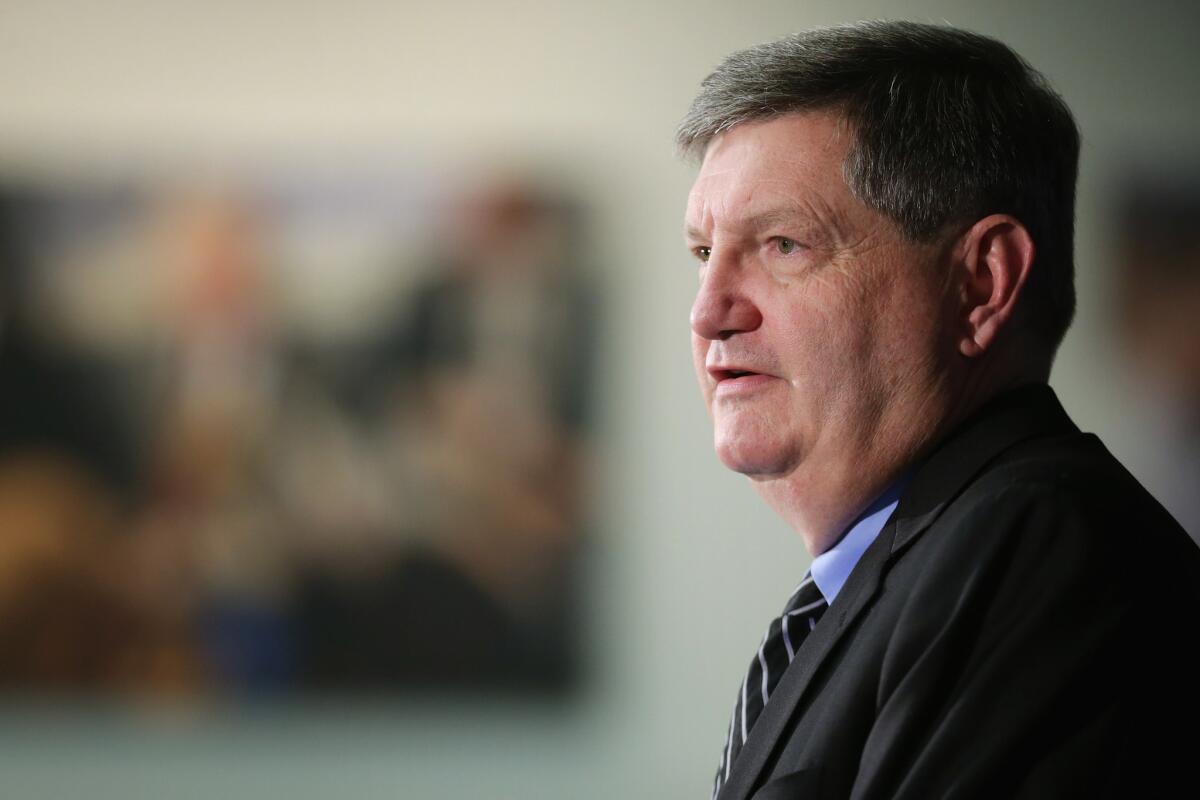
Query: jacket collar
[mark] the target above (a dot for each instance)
(1015, 416)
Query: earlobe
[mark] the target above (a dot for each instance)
(996, 257)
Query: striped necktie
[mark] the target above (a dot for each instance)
(779, 645)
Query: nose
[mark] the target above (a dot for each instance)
(722, 306)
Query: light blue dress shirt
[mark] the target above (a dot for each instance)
(831, 569)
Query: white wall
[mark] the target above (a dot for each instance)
(691, 564)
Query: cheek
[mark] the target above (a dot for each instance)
(830, 345)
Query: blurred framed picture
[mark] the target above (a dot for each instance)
(293, 433)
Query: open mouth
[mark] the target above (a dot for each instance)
(731, 374)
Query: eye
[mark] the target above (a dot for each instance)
(701, 252)
(785, 245)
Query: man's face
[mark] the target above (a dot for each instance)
(818, 327)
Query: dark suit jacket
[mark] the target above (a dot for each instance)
(1023, 627)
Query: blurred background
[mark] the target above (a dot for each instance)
(349, 442)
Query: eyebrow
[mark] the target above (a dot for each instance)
(767, 219)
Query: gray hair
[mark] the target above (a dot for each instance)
(949, 126)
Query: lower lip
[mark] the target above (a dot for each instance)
(746, 383)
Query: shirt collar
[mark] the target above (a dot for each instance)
(831, 568)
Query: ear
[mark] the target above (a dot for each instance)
(996, 254)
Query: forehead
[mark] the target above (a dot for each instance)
(788, 164)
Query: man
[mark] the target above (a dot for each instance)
(883, 226)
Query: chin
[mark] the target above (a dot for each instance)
(757, 460)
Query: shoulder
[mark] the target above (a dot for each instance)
(1060, 516)
(1043, 605)
(1070, 486)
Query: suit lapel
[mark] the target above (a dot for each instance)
(1016, 416)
